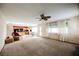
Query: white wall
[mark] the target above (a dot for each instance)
(2, 31)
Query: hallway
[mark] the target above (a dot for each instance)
(37, 46)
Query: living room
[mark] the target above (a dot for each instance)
(61, 26)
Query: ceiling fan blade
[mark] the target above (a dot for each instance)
(45, 19)
(48, 17)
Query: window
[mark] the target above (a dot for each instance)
(17, 30)
(52, 27)
(21, 30)
(53, 30)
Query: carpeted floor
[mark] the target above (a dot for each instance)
(37, 46)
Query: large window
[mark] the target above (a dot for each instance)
(52, 27)
(53, 30)
(19, 30)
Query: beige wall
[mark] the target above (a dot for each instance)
(62, 30)
(43, 29)
(73, 30)
(39, 30)
(2, 32)
(9, 29)
(73, 27)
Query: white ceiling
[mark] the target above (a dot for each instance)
(28, 12)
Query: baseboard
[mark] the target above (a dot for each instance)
(62, 41)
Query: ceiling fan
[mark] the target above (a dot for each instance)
(43, 17)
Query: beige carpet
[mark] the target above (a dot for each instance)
(33, 46)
